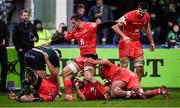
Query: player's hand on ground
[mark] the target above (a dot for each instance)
(11, 95)
(81, 96)
(107, 96)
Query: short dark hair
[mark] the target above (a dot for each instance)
(37, 21)
(77, 17)
(143, 6)
(79, 6)
(24, 11)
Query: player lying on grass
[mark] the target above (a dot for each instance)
(34, 59)
(87, 90)
(124, 83)
(47, 89)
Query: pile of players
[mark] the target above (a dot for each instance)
(121, 82)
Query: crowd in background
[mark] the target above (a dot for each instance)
(165, 19)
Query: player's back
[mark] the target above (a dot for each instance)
(48, 89)
(90, 92)
(109, 71)
(53, 57)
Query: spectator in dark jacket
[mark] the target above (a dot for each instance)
(3, 56)
(24, 36)
(101, 13)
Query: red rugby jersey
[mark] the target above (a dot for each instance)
(134, 24)
(85, 37)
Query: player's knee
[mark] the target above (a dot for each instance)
(66, 72)
(73, 67)
(88, 76)
(147, 93)
(139, 63)
(116, 92)
(88, 72)
(124, 63)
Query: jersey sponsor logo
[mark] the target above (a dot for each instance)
(85, 31)
(92, 89)
(93, 25)
(135, 23)
(82, 42)
(135, 32)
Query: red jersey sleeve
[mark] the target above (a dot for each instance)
(94, 26)
(70, 35)
(123, 20)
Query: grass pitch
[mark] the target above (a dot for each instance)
(173, 101)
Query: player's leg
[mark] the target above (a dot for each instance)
(134, 85)
(159, 91)
(138, 59)
(139, 66)
(67, 72)
(124, 53)
(88, 75)
(118, 92)
(124, 62)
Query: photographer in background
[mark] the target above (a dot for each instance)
(24, 36)
(62, 29)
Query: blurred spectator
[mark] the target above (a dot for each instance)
(101, 13)
(24, 36)
(7, 35)
(3, 56)
(81, 11)
(3, 10)
(43, 34)
(172, 15)
(165, 7)
(178, 20)
(165, 4)
(62, 29)
(156, 15)
(173, 39)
